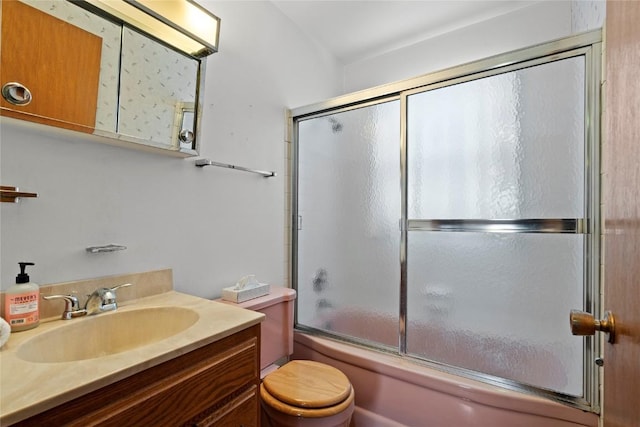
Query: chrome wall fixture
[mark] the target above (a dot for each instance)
(182, 24)
(206, 162)
(105, 248)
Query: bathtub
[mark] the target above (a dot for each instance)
(394, 392)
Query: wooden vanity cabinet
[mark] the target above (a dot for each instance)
(215, 385)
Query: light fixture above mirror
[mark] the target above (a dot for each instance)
(182, 24)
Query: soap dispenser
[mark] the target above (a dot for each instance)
(21, 302)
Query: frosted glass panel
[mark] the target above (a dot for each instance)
(349, 201)
(498, 304)
(510, 146)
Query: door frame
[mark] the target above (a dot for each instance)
(621, 213)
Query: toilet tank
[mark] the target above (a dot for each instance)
(276, 329)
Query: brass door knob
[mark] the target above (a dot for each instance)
(583, 323)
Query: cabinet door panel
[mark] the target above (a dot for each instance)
(180, 397)
(241, 411)
(58, 62)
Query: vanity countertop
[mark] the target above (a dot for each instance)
(28, 388)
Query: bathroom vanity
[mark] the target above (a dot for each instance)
(205, 374)
(213, 385)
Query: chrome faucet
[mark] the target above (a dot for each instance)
(71, 306)
(103, 299)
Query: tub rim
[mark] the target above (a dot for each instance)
(410, 371)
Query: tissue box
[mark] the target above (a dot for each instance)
(241, 295)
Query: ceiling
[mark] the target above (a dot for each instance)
(356, 29)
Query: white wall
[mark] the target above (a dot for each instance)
(210, 225)
(534, 24)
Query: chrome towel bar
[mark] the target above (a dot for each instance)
(206, 162)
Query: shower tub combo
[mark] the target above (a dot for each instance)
(446, 226)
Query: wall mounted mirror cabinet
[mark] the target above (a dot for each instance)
(74, 65)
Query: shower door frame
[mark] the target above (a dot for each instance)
(587, 44)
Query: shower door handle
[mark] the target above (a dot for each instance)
(583, 323)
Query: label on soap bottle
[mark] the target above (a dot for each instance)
(22, 309)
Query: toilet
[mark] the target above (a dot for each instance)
(299, 393)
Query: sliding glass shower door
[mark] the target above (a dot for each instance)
(348, 222)
(454, 219)
(496, 203)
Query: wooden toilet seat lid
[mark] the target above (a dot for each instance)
(308, 384)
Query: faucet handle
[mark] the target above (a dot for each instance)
(124, 285)
(71, 306)
(109, 295)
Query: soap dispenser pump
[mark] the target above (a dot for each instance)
(21, 301)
